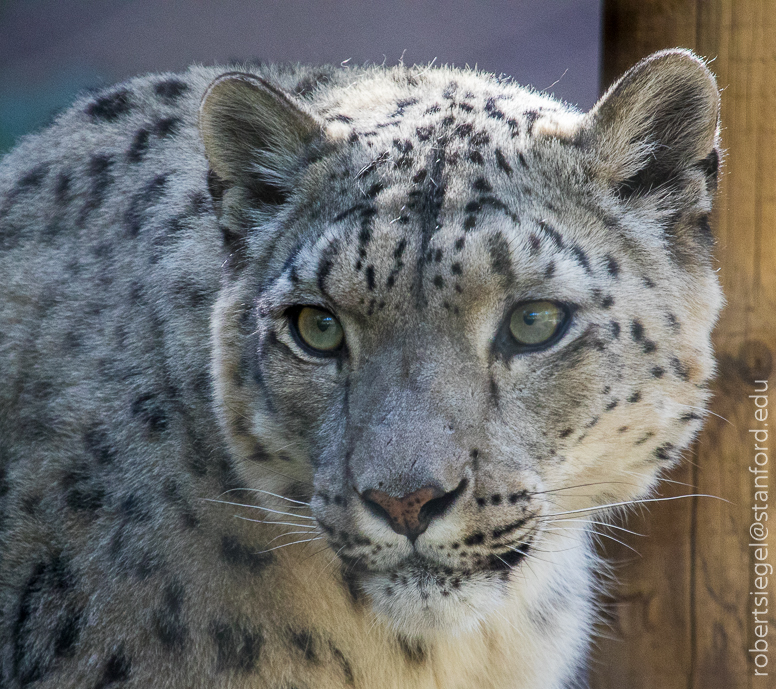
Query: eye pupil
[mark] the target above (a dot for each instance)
(324, 323)
(529, 317)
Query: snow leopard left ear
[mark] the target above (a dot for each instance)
(256, 138)
(657, 127)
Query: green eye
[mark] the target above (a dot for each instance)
(319, 330)
(536, 322)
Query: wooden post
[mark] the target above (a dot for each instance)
(682, 616)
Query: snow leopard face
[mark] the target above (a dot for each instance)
(469, 314)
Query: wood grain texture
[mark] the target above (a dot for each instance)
(681, 616)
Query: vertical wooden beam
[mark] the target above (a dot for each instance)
(682, 616)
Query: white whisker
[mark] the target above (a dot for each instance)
(264, 521)
(628, 503)
(606, 524)
(266, 492)
(288, 533)
(285, 545)
(258, 507)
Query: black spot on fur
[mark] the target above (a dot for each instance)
(500, 256)
(62, 188)
(530, 118)
(167, 126)
(663, 452)
(133, 508)
(172, 494)
(137, 214)
(170, 89)
(615, 326)
(515, 497)
(82, 494)
(657, 372)
(637, 330)
(139, 145)
(238, 648)
(347, 668)
(110, 106)
(607, 302)
(117, 669)
(552, 233)
(482, 184)
(98, 445)
(374, 190)
(644, 438)
(424, 133)
(476, 158)
(474, 539)
(680, 369)
(581, 257)
(28, 666)
(150, 412)
(635, 397)
(34, 178)
(67, 633)
(503, 163)
(612, 267)
(101, 179)
(413, 651)
(168, 625)
(480, 139)
(303, 640)
(492, 109)
(494, 392)
(464, 130)
(236, 554)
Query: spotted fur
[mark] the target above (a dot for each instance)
(182, 483)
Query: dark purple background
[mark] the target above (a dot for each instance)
(51, 49)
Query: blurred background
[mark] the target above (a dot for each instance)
(52, 49)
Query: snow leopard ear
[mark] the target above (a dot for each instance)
(256, 138)
(657, 126)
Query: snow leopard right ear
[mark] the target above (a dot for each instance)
(256, 138)
(657, 126)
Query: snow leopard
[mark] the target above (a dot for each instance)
(318, 378)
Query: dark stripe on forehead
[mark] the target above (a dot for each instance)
(325, 264)
(426, 200)
(500, 256)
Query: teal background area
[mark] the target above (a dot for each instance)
(50, 50)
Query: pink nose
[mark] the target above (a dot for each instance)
(404, 515)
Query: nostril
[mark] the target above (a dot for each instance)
(438, 506)
(376, 509)
(411, 514)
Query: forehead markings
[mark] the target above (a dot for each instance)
(425, 200)
(427, 196)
